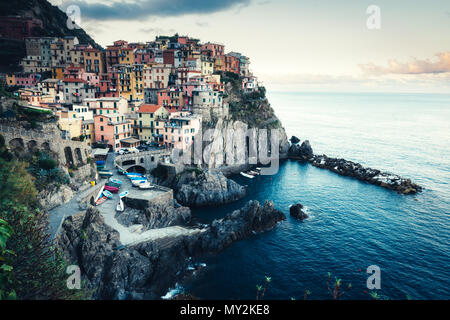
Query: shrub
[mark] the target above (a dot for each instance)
(47, 164)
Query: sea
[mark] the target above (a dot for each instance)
(352, 225)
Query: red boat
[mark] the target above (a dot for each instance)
(112, 189)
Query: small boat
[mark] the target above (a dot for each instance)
(116, 181)
(254, 173)
(112, 184)
(105, 173)
(107, 194)
(100, 162)
(138, 178)
(247, 175)
(101, 200)
(123, 194)
(133, 174)
(120, 171)
(145, 186)
(111, 189)
(137, 183)
(120, 207)
(99, 194)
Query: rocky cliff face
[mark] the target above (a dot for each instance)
(155, 216)
(242, 112)
(196, 189)
(147, 270)
(302, 152)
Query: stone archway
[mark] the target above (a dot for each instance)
(45, 146)
(16, 143)
(128, 162)
(78, 155)
(138, 169)
(32, 146)
(17, 147)
(69, 155)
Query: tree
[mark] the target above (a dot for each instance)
(38, 268)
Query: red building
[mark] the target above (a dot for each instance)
(18, 27)
(171, 99)
(232, 64)
(169, 57)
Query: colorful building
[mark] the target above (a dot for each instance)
(148, 115)
(111, 129)
(179, 130)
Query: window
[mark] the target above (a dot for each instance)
(101, 128)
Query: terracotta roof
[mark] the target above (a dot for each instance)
(149, 108)
(73, 80)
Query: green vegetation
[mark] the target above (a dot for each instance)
(31, 268)
(6, 91)
(45, 171)
(5, 268)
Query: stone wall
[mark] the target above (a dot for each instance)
(48, 138)
(141, 203)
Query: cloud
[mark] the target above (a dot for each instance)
(202, 24)
(439, 65)
(157, 31)
(139, 9)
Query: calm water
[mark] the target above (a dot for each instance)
(352, 224)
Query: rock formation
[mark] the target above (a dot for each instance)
(296, 211)
(302, 152)
(147, 270)
(373, 176)
(155, 216)
(197, 188)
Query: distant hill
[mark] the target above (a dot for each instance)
(53, 19)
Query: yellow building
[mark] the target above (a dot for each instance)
(88, 129)
(148, 118)
(70, 123)
(207, 67)
(10, 79)
(131, 84)
(126, 56)
(58, 73)
(94, 61)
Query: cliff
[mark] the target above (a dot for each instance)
(147, 270)
(242, 111)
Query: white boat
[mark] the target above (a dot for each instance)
(137, 183)
(145, 186)
(120, 206)
(123, 194)
(254, 173)
(247, 175)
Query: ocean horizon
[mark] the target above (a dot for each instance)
(352, 224)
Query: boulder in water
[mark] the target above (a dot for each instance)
(296, 211)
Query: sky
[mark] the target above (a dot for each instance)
(298, 45)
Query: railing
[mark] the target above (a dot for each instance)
(132, 156)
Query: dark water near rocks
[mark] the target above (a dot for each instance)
(352, 225)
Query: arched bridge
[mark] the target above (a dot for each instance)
(142, 161)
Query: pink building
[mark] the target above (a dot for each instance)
(215, 49)
(180, 130)
(112, 129)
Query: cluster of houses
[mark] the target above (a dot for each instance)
(130, 93)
